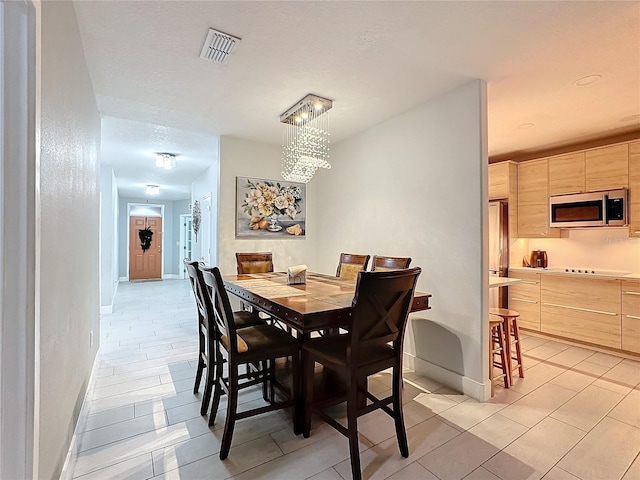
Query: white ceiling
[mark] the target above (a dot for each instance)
(374, 59)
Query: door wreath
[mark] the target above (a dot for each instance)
(145, 238)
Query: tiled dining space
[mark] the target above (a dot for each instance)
(575, 415)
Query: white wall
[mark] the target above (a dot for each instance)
(415, 186)
(19, 316)
(69, 206)
(207, 184)
(259, 160)
(108, 240)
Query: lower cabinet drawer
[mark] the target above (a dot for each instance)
(630, 316)
(631, 333)
(529, 311)
(600, 328)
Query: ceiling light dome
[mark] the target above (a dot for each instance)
(165, 160)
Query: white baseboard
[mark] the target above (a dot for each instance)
(170, 276)
(67, 468)
(124, 279)
(108, 309)
(471, 388)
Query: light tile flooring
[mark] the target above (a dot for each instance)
(576, 415)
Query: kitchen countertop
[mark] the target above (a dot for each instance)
(502, 281)
(560, 271)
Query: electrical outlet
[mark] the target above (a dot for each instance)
(91, 338)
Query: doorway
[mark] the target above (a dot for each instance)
(145, 242)
(186, 242)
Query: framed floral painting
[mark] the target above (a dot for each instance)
(270, 208)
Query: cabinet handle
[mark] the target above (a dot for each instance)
(530, 282)
(631, 293)
(522, 300)
(580, 309)
(633, 316)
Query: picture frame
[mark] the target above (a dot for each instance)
(270, 208)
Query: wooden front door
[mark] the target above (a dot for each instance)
(145, 264)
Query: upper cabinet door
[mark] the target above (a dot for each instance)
(533, 200)
(498, 180)
(634, 188)
(567, 174)
(607, 168)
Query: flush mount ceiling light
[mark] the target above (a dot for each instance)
(305, 138)
(218, 46)
(588, 80)
(165, 160)
(152, 190)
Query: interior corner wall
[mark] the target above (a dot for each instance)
(108, 232)
(207, 184)
(415, 186)
(260, 160)
(69, 296)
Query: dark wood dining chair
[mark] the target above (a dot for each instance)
(374, 343)
(385, 264)
(350, 264)
(257, 262)
(206, 335)
(259, 346)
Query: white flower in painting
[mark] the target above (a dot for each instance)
(290, 199)
(281, 202)
(254, 197)
(291, 211)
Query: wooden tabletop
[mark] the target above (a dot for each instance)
(323, 302)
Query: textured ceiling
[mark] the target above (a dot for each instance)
(374, 59)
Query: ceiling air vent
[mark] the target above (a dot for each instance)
(218, 46)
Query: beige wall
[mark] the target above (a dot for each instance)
(259, 160)
(415, 186)
(69, 297)
(595, 248)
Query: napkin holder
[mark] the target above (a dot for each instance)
(297, 275)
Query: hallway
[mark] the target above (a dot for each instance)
(575, 415)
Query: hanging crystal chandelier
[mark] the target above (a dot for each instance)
(305, 139)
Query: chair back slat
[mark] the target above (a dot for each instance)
(350, 264)
(197, 284)
(258, 262)
(223, 313)
(382, 303)
(382, 263)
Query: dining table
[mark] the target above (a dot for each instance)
(322, 304)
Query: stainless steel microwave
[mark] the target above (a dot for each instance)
(599, 209)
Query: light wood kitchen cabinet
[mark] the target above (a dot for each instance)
(607, 168)
(533, 200)
(634, 189)
(630, 294)
(584, 309)
(524, 297)
(498, 181)
(567, 174)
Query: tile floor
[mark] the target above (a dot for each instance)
(576, 415)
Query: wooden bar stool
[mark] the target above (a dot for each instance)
(512, 339)
(497, 348)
